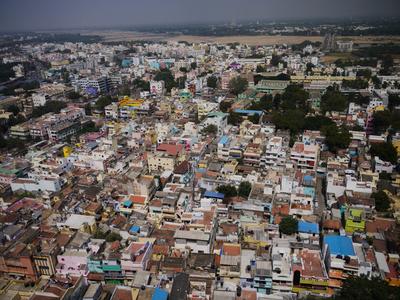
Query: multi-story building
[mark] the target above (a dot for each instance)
(305, 156)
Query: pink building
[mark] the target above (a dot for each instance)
(73, 262)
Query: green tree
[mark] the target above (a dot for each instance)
(255, 119)
(124, 90)
(336, 137)
(290, 119)
(224, 106)
(141, 84)
(294, 97)
(14, 109)
(193, 65)
(382, 201)
(394, 100)
(210, 129)
(316, 122)
(238, 85)
(113, 236)
(234, 118)
(166, 76)
(385, 151)
(228, 190)
(288, 225)
(333, 100)
(103, 101)
(261, 69)
(212, 82)
(244, 189)
(355, 84)
(73, 95)
(50, 106)
(181, 82)
(362, 288)
(382, 120)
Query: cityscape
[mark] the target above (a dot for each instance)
(188, 150)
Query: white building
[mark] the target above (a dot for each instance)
(305, 156)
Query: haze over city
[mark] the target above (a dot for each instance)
(48, 14)
(199, 150)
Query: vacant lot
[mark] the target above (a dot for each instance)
(115, 36)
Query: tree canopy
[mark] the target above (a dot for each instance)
(103, 101)
(234, 118)
(50, 106)
(238, 85)
(382, 201)
(288, 225)
(166, 76)
(294, 97)
(210, 129)
(336, 137)
(212, 82)
(362, 288)
(333, 100)
(244, 189)
(385, 151)
(228, 190)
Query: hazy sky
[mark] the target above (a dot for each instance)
(54, 14)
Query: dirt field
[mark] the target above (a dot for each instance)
(332, 57)
(113, 36)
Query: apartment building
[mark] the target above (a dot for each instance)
(305, 156)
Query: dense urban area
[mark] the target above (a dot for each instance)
(177, 170)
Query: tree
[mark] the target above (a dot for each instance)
(234, 118)
(294, 97)
(244, 189)
(382, 201)
(362, 288)
(73, 95)
(316, 122)
(381, 121)
(193, 65)
(166, 76)
(394, 100)
(112, 237)
(261, 69)
(365, 73)
(238, 85)
(275, 60)
(385, 151)
(212, 82)
(228, 190)
(103, 101)
(124, 90)
(14, 109)
(181, 82)
(210, 129)
(50, 106)
(290, 119)
(333, 100)
(224, 106)
(288, 225)
(355, 84)
(255, 119)
(141, 84)
(336, 137)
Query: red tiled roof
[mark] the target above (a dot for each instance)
(170, 148)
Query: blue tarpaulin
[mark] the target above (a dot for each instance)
(159, 294)
(210, 194)
(135, 229)
(339, 245)
(308, 227)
